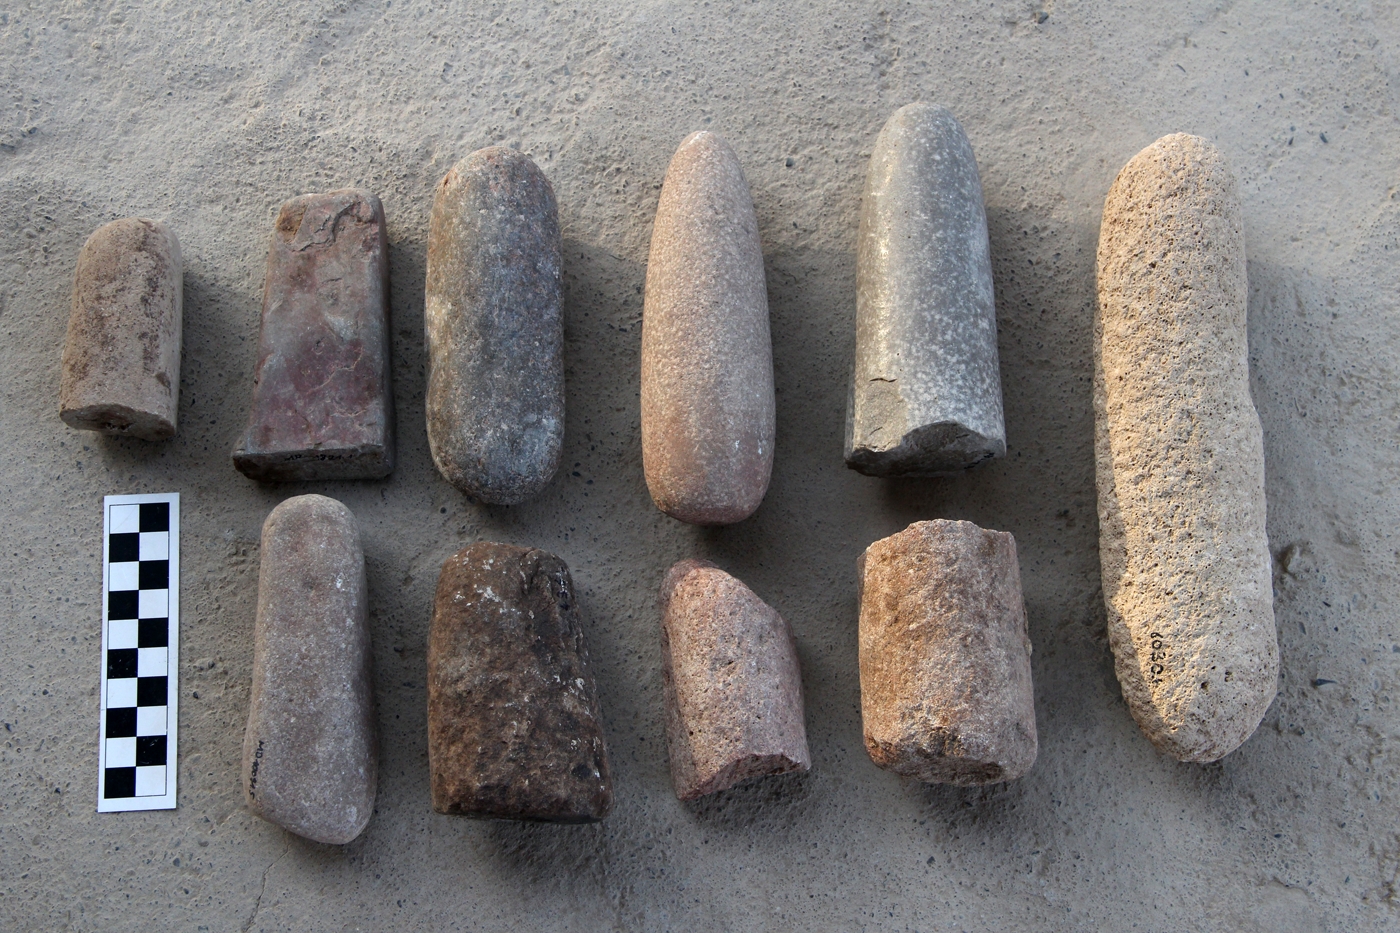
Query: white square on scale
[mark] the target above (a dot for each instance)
(121, 692)
(121, 753)
(124, 575)
(124, 519)
(150, 781)
(122, 633)
(155, 545)
(153, 604)
(150, 720)
(150, 662)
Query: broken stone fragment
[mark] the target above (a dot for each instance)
(733, 687)
(945, 661)
(514, 730)
(495, 331)
(926, 388)
(707, 359)
(121, 360)
(1187, 577)
(310, 755)
(323, 403)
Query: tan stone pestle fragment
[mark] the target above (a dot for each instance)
(1179, 449)
(732, 682)
(310, 756)
(121, 360)
(945, 662)
(707, 357)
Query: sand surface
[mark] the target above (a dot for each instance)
(209, 113)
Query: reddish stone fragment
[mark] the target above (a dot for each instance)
(323, 404)
(733, 687)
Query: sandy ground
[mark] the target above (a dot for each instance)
(208, 113)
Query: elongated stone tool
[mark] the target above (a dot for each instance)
(310, 753)
(707, 357)
(1187, 575)
(514, 730)
(121, 360)
(323, 399)
(495, 331)
(945, 661)
(733, 687)
(926, 388)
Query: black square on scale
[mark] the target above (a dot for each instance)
(119, 782)
(150, 691)
(150, 750)
(153, 633)
(121, 662)
(123, 604)
(124, 547)
(153, 575)
(121, 723)
(155, 516)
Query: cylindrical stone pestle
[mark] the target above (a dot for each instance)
(707, 358)
(323, 400)
(926, 388)
(732, 683)
(495, 332)
(1187, 575)
(945, 661)
(121, 360)
(514, 730)
(310, 755)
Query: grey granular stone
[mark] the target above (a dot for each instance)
(121, 361)
(707, 358)
(945, 661)
(323, 401)
(1187, 574)
(495, 331)
(514, 730)
(926, 388)
(310, 755)
(732, 682)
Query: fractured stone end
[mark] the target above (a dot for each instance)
(933, 450)
(739, 770)
(368, 462)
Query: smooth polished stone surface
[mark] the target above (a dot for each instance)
(945, 661)
(732, 681)
(323, 400)
(121, 359)
(514, 729)
(926, 387)
(707, 358)
(1187, 573)
(494, 325)
(310, 752)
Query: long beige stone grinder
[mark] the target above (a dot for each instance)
(1180, 455)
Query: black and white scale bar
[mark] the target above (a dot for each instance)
(140, 642)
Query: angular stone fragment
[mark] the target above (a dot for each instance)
(121, 361)
(926, 388)
(323, 400)
(1180, 455)
(945, 662)
(707, 359)
(514, 730)
(733, 687)
(495, 329)
(310, 753)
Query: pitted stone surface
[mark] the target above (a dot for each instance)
(495, 331)
(323, 401)
(732, 682)
(945, 661)
(514, 729)
(121, 359)
(707, 357)
(1187, 574)
(310, 752)
(926, 386)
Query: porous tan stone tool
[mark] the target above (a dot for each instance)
(945, 661)
(732, 683)
(514, 730)
(1187, 576)
(121, 360)
(323, 400)
(707, 357)
(310, 754)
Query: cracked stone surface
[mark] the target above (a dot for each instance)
(514, 729)
(121, 359)
(732, 682)
(495, 330)
(323, 394)
(708, 417)
(926, 385)
(1187, 573)
(945, 660)
(310, 750)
